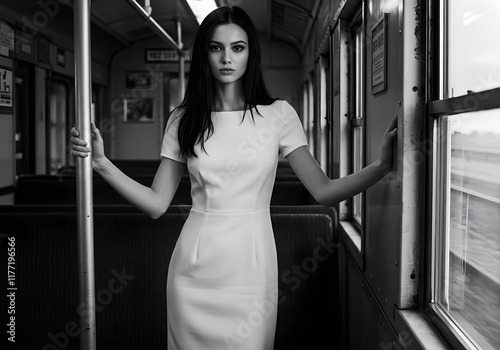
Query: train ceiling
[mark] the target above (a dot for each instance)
(287, 20)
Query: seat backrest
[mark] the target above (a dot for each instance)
(61, 189)
(132, 254)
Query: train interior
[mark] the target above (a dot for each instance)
(410, 263)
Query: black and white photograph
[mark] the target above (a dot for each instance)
(250, 174)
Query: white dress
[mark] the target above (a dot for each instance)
(222, 285)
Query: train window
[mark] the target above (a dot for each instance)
(356, 109)
(473, 28)
(323, 126)
(59, 95)
(467, 246)
(310, 115)
(96, 103)
(465, 258)
(305, 108)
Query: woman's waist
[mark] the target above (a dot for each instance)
(240, 222)
(230, 212)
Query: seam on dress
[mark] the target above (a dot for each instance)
(200, 229)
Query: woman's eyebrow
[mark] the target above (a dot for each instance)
(234, 43)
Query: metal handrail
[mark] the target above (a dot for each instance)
(155, 26)
(85, 216)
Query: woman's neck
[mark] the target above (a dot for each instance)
(229, 97)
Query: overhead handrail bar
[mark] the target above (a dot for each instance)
(84, 183)
(155, 26)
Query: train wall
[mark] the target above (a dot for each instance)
(382, 275)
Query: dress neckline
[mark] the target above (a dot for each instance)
(238, 111)
(230, 113)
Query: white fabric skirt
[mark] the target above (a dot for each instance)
(222, 285)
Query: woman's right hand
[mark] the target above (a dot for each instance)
(80, 148)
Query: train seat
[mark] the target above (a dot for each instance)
(132, 253)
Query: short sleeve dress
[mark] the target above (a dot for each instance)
(222, 284)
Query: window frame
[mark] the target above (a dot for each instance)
(440, 105)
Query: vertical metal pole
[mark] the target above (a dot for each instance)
(182, 79)
(85, 216)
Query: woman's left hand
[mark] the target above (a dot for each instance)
(386, 154)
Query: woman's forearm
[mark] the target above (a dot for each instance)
(346, 187)
(141, 196)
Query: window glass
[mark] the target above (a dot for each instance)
(468, 275)
(305, 110)
(323, 130)
(57, 127)
(473, 46)
(310, 124)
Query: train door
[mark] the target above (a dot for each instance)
(24, 118)
(61, 118)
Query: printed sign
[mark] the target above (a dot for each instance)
(379, 60)
(5, 87)
(6, 38)
(164, 55)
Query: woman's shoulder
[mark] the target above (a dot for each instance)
(276, 105)
(282, 107)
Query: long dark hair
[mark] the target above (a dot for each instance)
(196, 121)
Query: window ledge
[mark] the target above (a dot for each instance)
(351, 237)
(413, 325)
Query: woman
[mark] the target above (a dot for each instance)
(222, 279)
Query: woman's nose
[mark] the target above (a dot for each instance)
(226, 58)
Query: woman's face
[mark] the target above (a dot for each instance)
(228, 53)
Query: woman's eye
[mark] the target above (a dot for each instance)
(238, 48)
(214, 48)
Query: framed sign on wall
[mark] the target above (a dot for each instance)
(139, 110)
(379, 55)
(6, 87)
